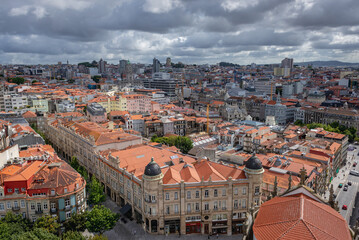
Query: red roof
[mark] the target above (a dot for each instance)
(299, 217)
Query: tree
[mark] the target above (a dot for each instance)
(77, 222)
(96, 194)
(18, 80)
(334, 124)
(48, 223)
(36, 234)
(184, 144)
(98, 237)
(17, 220)
(299, 122)
(85, 109)
(101, 219)
(71, 235)
(74, 163)
(9, 229)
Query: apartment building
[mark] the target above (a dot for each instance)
(34, 186)
(175, 193)
(138, 103)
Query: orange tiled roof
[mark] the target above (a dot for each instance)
(299, 217)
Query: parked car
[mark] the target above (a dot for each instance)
(340, 185)
(345, 207)
(353, 172)
(349, 183)
(345, 188)
(354, 164)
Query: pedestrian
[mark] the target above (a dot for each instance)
(208, 237)
(217, 235)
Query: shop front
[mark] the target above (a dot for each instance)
(172, 226)
(237, 226)
(193, 227)
(219, 227)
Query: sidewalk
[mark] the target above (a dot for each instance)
(126, 231)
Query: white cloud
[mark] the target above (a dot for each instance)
(160, 6)
(19, 11)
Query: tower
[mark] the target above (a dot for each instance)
(168, 62)
(153, 195)
(156, 65)
(254, 172)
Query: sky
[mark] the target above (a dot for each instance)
(190, 31)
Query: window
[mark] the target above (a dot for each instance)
(235, 204)
(224, 205)
(53, 205)
(215, 205)
(224, 192)
(206, 193)
(197, 194)
(33, 219)
(206, 206)
(215, 193)
(128, 195)
(197, 206)
(243, 203)
(244, 191)
(52, 192)
(8, 205)
(67, 203)
(167, 209)
(153, 198)
(176, 208)
(167, 196)
(45, 206)
(2, 207)
(23, 189)
(256, 201)
(16, 204)
(9, 190)
(65, 190)
(188, 207)
(68, 215)
(256, 191)
(32, 206)
(188, 194)
(16, 190)
(22, 203)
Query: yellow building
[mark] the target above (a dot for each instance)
(115, 103)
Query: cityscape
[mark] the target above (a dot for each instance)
(179, 119)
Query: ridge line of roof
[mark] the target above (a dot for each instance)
(305, 224)
(320, 229)
(289, 229)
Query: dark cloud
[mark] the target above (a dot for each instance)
(191, 30)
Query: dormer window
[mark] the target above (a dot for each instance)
(52, 192)
(9, 190)
(65, 190)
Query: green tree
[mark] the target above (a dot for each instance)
(98, 237)
(342, 128)
(96, 194)
(101, 219)
(74, 163)
(35, 234)
(85, 109)
(9, 229)
(334, 124)
(153, 138)
(76, 223)
(71, 235)
(48, 223)
(299, 123)
(18, 80)
(17, 220)
(184, 144)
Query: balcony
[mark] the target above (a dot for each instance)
(39, 211)
(256, 193)
(67, 207)
(16, 208)
(53, 210)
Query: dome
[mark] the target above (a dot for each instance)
(254, 163)
(152, 169)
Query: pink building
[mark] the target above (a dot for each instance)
(138, 103)
(96, 113)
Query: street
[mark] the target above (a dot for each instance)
(347, 197)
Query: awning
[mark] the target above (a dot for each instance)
(125, 209)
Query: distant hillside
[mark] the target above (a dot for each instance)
(327, 64)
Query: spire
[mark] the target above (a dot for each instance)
(275, 188)
(152, 160)
(303, 174)
(290, 181)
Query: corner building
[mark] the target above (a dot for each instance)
(175, 193)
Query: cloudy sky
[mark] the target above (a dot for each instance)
(191, 31)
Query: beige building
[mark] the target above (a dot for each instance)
(176, 193)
